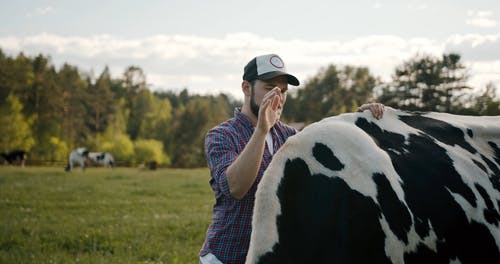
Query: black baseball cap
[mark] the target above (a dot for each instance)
(266, 67)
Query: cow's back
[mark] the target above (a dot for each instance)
(410, 188)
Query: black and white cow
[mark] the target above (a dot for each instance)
(77, 157)
(102, 158)
(15, 157)
(409, 188)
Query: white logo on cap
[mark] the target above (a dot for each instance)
(276, 62)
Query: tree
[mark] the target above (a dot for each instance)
(158, 122)
(100, 101)
(487, 104)
(15, 130)
(138, 99)
(427, 83)
(118, 144)
(149, 150)
(16, 77)
(45, 111)
(73, 97)
(142, 105)
(134, 80)
(57, 150)
(190, 126)
(332, 91)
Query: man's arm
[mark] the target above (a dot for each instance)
(243, 172)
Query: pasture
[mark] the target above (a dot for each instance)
(103, 216)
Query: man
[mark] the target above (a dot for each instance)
(239, 150)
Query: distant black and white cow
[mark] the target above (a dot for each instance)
(15, 157)
(409, 188)
(102, 158)
(77, 157)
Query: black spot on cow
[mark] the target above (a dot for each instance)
(469, 132)
(495, 176)
(429, 179)
(324, 221)
(490, 213)
(325, 156)
(392, 142)
(100, 156)
(423, 254)
(480, 165)
(440, 130)
(496, 151)
(394, 210)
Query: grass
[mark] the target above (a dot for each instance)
(103, 216)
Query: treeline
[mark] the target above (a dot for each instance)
(423, 83)
(49, 111)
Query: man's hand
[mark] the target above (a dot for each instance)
(268, 112)
(377, 109)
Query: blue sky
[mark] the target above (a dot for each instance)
(203, 45)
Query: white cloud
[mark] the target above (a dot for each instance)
(473, 39)
(40, 11)
(44, 10)
(483, 73)
(212, 65)
(481, 19)
(418, 6)
(475, 47)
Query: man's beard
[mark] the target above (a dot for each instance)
(255, 107)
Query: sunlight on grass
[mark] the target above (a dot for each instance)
(103, 216)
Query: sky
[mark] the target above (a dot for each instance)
(204, 45)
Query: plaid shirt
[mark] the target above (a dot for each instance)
(228, 236)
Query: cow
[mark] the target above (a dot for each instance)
(77, 157)
(408, 188)
(15, 156)
(102, 158)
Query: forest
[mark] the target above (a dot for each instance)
(48, 111)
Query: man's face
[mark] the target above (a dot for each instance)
(260, 88)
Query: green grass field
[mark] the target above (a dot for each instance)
(103, 216)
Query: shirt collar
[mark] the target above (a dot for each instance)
(242, 118)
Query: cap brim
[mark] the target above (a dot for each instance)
(269, 75)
